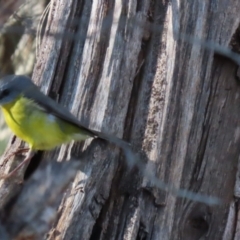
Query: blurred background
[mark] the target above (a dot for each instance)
(20, 35)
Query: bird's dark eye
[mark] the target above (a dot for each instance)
(4, 93)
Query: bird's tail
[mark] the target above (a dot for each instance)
(125, 146)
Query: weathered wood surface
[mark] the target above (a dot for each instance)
(176, 101)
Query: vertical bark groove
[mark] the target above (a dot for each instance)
(125, 67)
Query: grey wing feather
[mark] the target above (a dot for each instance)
(54, 108)
(59, 111)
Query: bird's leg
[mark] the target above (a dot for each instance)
(27, 159)
(18, 151)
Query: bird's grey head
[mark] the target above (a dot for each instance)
(12, 86)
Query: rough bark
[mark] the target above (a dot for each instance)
(122, 67)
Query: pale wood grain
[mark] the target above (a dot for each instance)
(176, 102)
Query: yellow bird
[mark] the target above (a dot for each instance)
(44, 124)
(40, 121)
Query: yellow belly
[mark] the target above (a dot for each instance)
(41, 130)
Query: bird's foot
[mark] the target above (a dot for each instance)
(17, 152)
(15, 170)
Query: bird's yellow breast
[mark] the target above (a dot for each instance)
(41, 130)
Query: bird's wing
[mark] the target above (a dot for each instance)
(59, 111)
(52, 107)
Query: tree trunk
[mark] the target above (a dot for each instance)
(127, 68)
